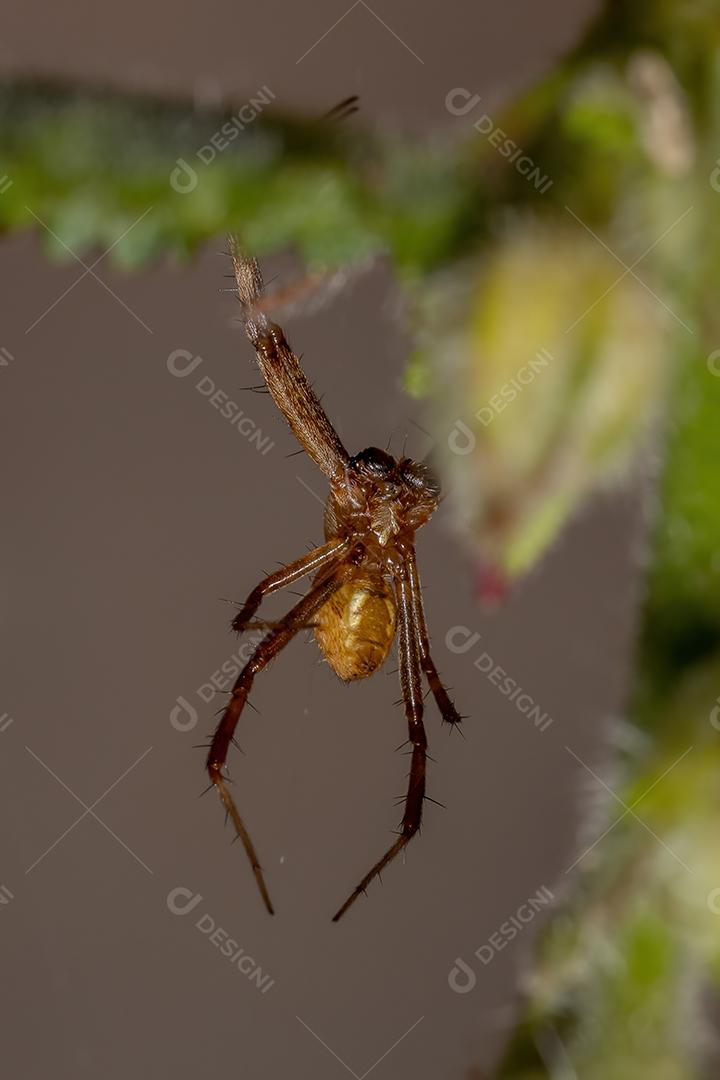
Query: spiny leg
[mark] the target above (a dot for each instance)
(446, 706)
(312, 562)
(410, 681)
(269, 647)
(285, 379)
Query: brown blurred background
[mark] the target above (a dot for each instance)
(131, 506)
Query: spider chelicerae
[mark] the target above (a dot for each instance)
(365, 587)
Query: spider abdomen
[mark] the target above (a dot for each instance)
(356, 626)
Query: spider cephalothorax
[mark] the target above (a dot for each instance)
(385, 499)
(365, 587)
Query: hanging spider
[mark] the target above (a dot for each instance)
(365, 585)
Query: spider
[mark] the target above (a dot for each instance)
(365, 587)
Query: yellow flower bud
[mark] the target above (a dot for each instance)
(547, 362)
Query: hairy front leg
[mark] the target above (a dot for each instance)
(285, 379)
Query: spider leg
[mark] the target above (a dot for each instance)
(446, 706)
(308, 564)
(268, 648)
(286, 381)
(410, 681)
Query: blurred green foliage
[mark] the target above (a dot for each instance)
(621, 983)
(91, 164)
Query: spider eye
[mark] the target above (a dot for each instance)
(420, 477)
(373, 462)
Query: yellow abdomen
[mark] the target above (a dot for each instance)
(356, 626)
